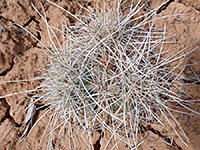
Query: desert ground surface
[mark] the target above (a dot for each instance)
(21, 55)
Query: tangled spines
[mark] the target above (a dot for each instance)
(109, 75)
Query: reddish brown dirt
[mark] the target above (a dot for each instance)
(21, 55)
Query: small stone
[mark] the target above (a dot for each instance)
(180, 11)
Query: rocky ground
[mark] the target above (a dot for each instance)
(21, 55)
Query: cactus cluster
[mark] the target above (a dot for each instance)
(110, 75)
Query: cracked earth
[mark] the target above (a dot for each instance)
(21, 55)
